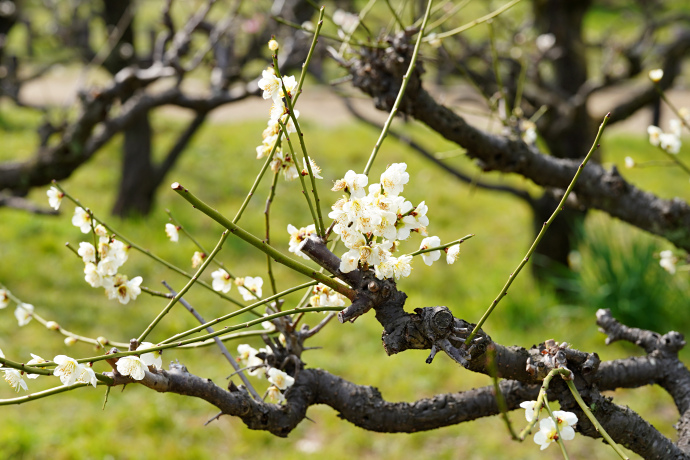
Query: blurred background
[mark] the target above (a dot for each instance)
(118, 99)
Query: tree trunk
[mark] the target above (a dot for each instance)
(568, 131)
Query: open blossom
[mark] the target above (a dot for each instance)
(269, 83)
(123, 289)
(668, 261)
(87, 252)
(355, 184)
(35, 359)
(273, 45)
(297, 236)
(250, 287)
(324, 296)
(670, 142)
(154, 358)
(245, 352)
(132, 366)
(54, 197)
(92, 275)
(394, 179)
(81, 219)
(68, 369)
(4, 299)
(14, 378)
(173, 232)
(280, 378)
(24, 313)
(430, 242)
(315, 169)
(452, 254)
(221, 281)
(547, 429)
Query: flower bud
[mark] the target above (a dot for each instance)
(69, 341)
(102, 341)
(656, 75)
(273, 45)
(53, 326)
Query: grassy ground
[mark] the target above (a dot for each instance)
(219, 167)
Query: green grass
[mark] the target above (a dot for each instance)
(219, 167)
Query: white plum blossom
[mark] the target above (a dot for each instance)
(430, 242)
(280, 378)
(452, 254)
(123, 289)
(14, 378)
(669, 142)
(274, 394)
(269, 83)
(394, 179)
(221, 281)
(4, 299)
(35, 359)
(290, 84)
(87, 375)
(530, 413)
(273, 45)
(315, 169)
(324, 296)
(87, 252)
(154, 358)
(173, 232)
(656, 75)
(132, 366)
(250, 287)
(92, 275)
(198, 259)
(68, 369)
(81, 219)
(629, 162)
(354, 183)
(69, 341)
(668, 261)
(297, 236)
(529, 135)
(54, 197)
(24, 313)
(547, 429)
(245, 352)
(402, 266)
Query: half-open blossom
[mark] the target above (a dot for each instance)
(35, 359)
(173, 232)
(68, 369)
(221, 281)
(530, 413)
(198, 259)
(24, 313)
(54, 197)
(668, 261)
(4, 299)
(430, 242)
(81, 219)
(132, 366)
(280, 378)
(274, 394)
(87, 375)
(273, 45)
(452, 253)
(297, 236)
(15, 380)
(154, 358)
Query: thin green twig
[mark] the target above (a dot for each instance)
(545, 227)
(471, 24)
(401, 93)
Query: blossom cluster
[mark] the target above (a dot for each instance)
(552, 428)
(372, 224)
(280, 381)
(278, 90)
(101, 264)
(324, 296)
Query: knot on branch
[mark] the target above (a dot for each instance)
(379, 72)
(553, 355)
